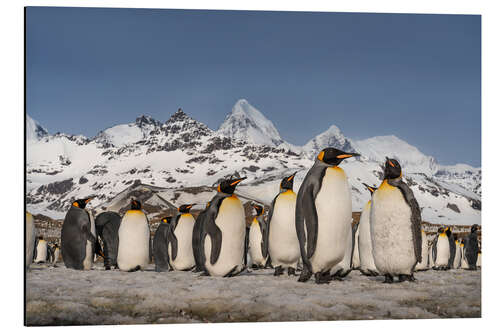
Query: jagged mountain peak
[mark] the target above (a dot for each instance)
(34, 131)
(247, 123)
(332, 137)
(144, 120)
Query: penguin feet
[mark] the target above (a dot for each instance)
(322, 277)
(291, 271)
(388, 278)
(107, 268)
(278, 270)
(204, 273)
(406, 277)
(135, 269)
(305, 275)
(372, 273)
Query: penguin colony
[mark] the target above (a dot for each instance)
(309, 231)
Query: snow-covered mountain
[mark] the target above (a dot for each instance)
(34, 131)
(186, 158)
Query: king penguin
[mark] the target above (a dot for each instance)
(30, 239)
(134, 242)
(323, 215)
(463, 262)
(57, 253)
(367, 263)
(180, 240)
(451, 240)
(441, 250)
(424, 264)
(458, 255)
(472, 248)
(283, 243)
(395, 226)
(160, 251)
(223, 236)
(197, 231)
(257, 239)
(107, 225)
(41, 251)
(78, 236)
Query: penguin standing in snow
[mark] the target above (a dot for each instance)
(223, 236)
(323, 215)
(451, 240)
(78, 236)
(343, 268)
(282, 237)
(134, 242)
(107, 225)
(458, 255)
(57, 253)
(424, 264)
(257, 239)
(395, 226)
(472, 248)
(367, 263)
(197, 231)
(180, 238)
(30, 239)
(441, 250)
(41, 251)
(160, 251)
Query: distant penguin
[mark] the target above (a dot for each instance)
(78, 236)
(323, 215)
(367, 263)
(180, 240)
(283, 243)
(42, 253)
(424, 264)
(160, 251)
(223, 236)
(257, 239)
(451, 240)
(441, 250)
(134, 241)
(430, 248)
(395, 226)
(478, 263)
(472, 248)
(57, 253)
(343, 268)
(197, 231)
(458, 255)
(463, 261)
(30, 239)
(107, 225)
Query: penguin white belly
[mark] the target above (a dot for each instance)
(41, 251)
(366, 260)
(255, 245)
(57, 253)
(478, 263)
(89, 255)
(184, 234)
(334, 209)
(458, 257)
(391, 231)
(30, 238)
(463, 263)
(356, 262)
(443, 251)
(284, 247)
(231, 222)
(425, 254)
(133, 244)
(345, 264)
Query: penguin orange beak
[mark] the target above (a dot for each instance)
(389, 161)
(292, 176)
(237, 181)
(342, 156)
(88, 199)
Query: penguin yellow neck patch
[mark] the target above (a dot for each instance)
(442, 234)
(186, 215)
(255, 221)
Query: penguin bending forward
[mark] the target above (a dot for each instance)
(160, 251)
(323, 215)
(134, 242)
(107, 225)
(367, 263)
(395, 226)
(180, 240)
(78, 236)
(223, 237)
(257, 239)
(30, 239)
(283, 244)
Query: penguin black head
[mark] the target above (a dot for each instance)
(229, 185)
(392, 169)
(474, 228)
(40, 237)
(184, 209)
(166, 219)
(81, 203)
(135, 204)
(448, 231)
(258, 209)
(333, 156)
(441, 230)
(372, 189)
(287, 182)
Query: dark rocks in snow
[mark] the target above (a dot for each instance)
(453, 207)
(476, 204)
(251, 168)
(82, 180)
(64, 160)
(171, 179)
(197, 159)
(56, 187)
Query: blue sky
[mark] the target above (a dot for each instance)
(415, 76)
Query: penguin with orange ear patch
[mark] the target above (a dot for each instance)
(180, 238)
(78, 236)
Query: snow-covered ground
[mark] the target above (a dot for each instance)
(59, 296)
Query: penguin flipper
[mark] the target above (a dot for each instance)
(353, 230)
(172, 240)
(245, 251)
(265, 238)
(216, 239)
(451, 241)
(305, 211)
(416, 218)
(434, 248)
